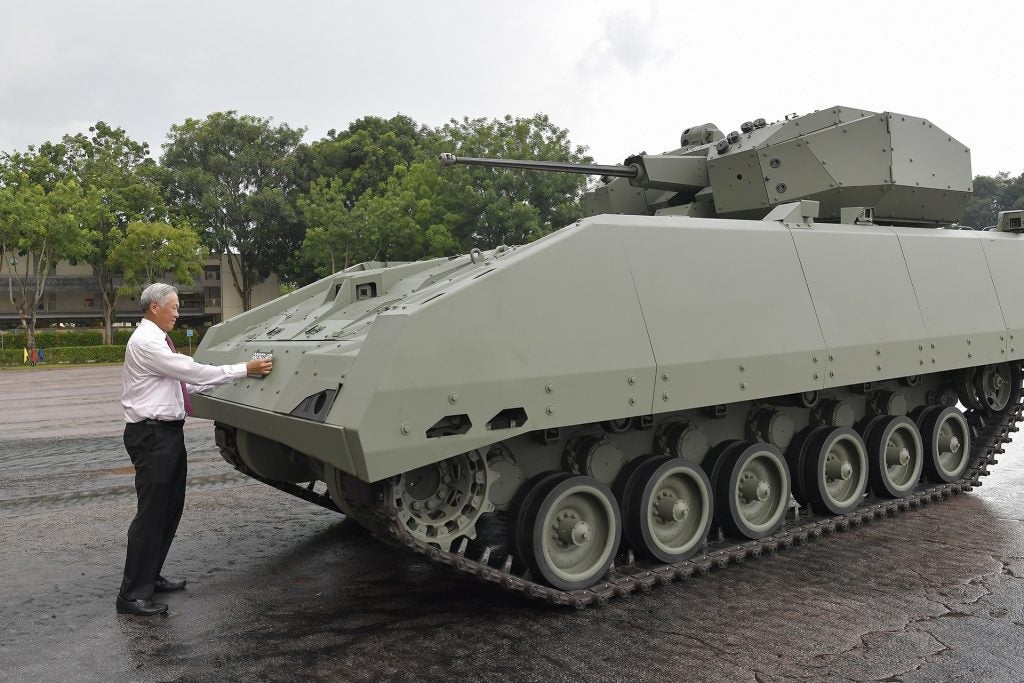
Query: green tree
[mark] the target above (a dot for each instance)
(993, 194)
(501, 206)
(122, 182)
(334, 234)
(410, 219)
(235, 178)
(361, 158)
(415, 209)
(340, 169)
(145, 252)
(406, 221)
(41, 223)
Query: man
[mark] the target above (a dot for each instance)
(156, 385)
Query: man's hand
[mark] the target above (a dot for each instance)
(260, 367)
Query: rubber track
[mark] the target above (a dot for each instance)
(990, 434)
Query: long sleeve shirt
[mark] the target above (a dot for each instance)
(153, 375)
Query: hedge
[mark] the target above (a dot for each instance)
(10, 357)
(71, 355)
(46, 339)
(63, 338)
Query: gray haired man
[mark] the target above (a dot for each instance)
(157, 382)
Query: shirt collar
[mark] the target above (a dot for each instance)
(149, 327)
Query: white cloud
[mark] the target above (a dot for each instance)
(630, 41)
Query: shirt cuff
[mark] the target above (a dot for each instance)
(236, 371)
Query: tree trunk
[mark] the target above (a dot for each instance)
(108, 297)
(26, 305)
(240, 281)
(108, 324)
(28, 322)
(27, 317)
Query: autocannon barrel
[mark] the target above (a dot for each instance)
(558, 166)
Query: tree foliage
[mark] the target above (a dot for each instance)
(41, 223)
(334, 234)
(235, 178)
(513, 207)
(409, 220)
(363, 157)
(993, 194)
(256, 193)
(418, 209)
(146, 251)
(120, 180)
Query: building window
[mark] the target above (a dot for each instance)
(47, 304)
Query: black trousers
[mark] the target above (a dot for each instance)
(157, 450)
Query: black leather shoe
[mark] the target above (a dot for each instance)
(162, 585)
(143, 608)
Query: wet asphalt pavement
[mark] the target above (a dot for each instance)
(282, 590)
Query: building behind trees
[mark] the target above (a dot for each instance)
(72, 298)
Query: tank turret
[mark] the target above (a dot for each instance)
(901, 169)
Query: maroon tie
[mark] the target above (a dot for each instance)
(184, 391)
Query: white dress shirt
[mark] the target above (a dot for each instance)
(153, 374)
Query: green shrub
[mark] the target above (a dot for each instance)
(10, 357)
(71, 355)
(46, 339)
(179, 337)
(69, 338)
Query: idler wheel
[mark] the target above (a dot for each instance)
(667, 509)
(834, 465)
(994, 385)
(575, 528)
(947, 441)
(751, 485)
(895, 455)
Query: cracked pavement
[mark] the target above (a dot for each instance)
(280, 589)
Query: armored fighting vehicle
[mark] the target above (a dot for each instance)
(753, 339)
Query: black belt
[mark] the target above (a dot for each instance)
(160, 423)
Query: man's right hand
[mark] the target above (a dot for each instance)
(260, 367)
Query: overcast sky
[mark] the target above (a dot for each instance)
(622, 77)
